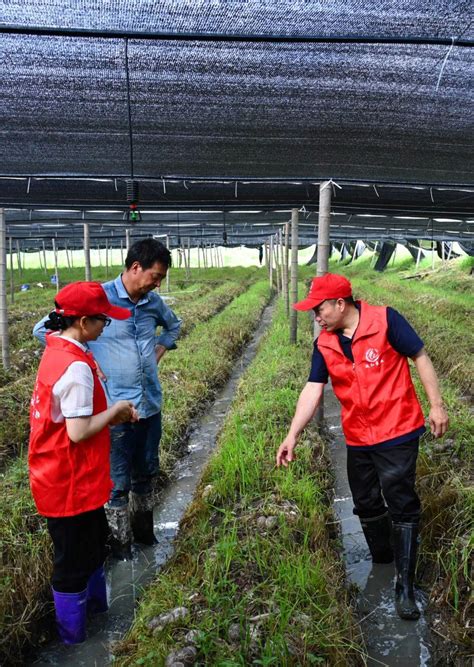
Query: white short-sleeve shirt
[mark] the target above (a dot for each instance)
(73, 393)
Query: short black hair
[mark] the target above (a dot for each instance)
(147, 252)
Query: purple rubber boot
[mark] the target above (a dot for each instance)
(97, 592)
(71, 616)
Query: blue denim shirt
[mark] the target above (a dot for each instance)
(126, 349)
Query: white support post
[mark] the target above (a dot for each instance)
(270, 263)
(168, 272)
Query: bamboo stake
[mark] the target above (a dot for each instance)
(322, 257)
(3, 293)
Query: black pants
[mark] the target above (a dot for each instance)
(385, 478)
(79, 548)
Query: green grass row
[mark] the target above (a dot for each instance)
(255, 566)
(444, 467)
(190, 376)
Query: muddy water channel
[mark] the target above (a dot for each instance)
(389, 640)
(126, 579)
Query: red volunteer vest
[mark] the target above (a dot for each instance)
(376, 392)
(66, 478)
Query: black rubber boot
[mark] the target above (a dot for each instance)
(120, 539)
(405, 537)
(142, 518)
(378, 531)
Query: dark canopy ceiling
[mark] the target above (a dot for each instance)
(238, 103)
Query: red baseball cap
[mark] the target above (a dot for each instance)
(329, 286)
(87, 298)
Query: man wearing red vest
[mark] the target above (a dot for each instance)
(364, 349)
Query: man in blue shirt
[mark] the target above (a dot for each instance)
(128, 356)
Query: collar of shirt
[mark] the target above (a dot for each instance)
(123, 294)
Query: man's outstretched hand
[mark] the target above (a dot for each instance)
(285, 452)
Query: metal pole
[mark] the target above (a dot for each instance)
(53, 243)
(106, 258)
(12, 281)
(87, 252)
(3, 293)
(294, 275)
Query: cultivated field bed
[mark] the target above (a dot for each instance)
(255, 566)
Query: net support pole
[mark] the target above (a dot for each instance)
(168, 272)
(106, 259)
(87, 252)
(44, 258)
(127, 239)
(270, 262)
(286, 268)
(12, 280)
(3, 292)
(55, 254)
(322, 257)
(18, 257)
(294, 275)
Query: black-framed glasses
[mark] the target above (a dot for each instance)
(102, 318)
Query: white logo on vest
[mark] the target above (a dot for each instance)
(372, 356)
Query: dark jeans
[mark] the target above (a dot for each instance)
(79, 548)
(134, 458)
(385, 478)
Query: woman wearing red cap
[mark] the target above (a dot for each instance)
(69, 452)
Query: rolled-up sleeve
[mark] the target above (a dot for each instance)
(39, 330)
